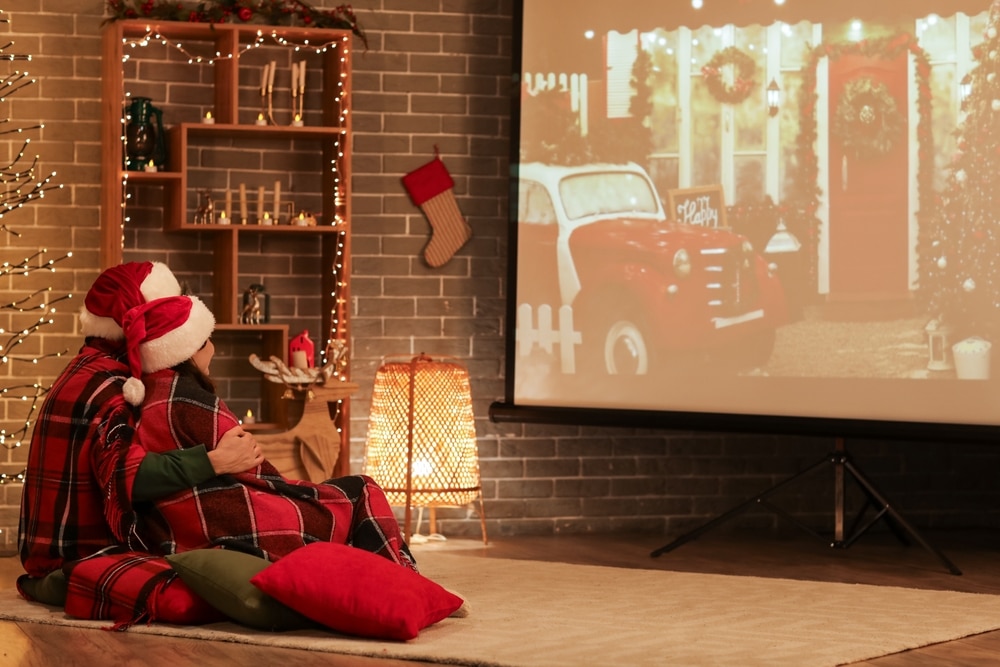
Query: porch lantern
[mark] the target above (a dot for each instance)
(782, 241)
(773, 98)
(965, 89)
(938, 347)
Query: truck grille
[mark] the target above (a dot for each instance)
(731, 286)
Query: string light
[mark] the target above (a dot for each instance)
(19, 185)
(337, 335)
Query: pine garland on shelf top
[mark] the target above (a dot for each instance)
(263, 12)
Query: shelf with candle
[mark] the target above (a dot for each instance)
(312, 160)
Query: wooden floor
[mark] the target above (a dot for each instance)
(877, 559)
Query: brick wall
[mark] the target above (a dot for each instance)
(436, 77)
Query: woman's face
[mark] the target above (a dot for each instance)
(203, 357)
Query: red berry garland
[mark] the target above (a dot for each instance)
(743, 69)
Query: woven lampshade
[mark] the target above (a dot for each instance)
(421, 445)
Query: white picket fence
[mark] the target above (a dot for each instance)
(530, 333)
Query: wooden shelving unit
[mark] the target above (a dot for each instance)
(234, 100)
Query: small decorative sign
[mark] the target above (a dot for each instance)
(703, 206)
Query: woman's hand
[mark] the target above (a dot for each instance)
(237, 451)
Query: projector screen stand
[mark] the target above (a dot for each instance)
(844, 469)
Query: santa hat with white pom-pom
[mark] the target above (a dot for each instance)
(120, 289)
(161, 334)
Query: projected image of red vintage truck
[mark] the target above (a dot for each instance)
(644, 292)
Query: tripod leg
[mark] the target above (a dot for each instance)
(897, 517)
(742, 507)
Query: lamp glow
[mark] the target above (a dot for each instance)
(421, 446)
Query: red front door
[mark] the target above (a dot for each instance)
(868, 195)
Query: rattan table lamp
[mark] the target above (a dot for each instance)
(421, 446)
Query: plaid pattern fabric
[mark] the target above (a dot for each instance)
(259, 511)
(81, 465)
(117, 587)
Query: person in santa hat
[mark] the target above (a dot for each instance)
(84, 470)
(258, 511)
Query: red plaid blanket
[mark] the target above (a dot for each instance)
(81, 465)
(258, 512)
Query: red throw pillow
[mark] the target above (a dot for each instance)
(175, 602)
(356, 592)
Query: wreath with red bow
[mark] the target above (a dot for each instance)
(743, 70)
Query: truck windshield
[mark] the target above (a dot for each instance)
(607, 193)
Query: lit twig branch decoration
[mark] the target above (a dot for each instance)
(25, 267)
(45, 305)
(12, 440)
(19, 337)
(13, 83)
(19, 185)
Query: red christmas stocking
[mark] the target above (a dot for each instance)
(431, 188)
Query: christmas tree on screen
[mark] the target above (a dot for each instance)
(27, 302)
(964, 268)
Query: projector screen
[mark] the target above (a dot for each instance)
(756, 215)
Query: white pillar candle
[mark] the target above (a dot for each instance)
(299, 359)
(302, 77)
(270, 76)
(229, 203)
(260, 204)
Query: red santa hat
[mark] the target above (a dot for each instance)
(162, 333)
(120, 289)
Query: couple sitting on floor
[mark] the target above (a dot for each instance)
(135, 457)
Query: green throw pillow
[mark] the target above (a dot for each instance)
(222, 578)
(50, 589)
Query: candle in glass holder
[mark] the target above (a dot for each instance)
(208, 119)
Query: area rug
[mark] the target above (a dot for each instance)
(539, 614)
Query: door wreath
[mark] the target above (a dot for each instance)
(867, 122)
(743, 70)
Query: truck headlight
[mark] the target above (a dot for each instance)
(682, 263)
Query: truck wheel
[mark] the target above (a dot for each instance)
(623, 348)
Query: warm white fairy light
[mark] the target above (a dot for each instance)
(19, 185)
(336, 333)
(193, 59)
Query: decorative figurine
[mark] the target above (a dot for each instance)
(206, 209)
(254, 302)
